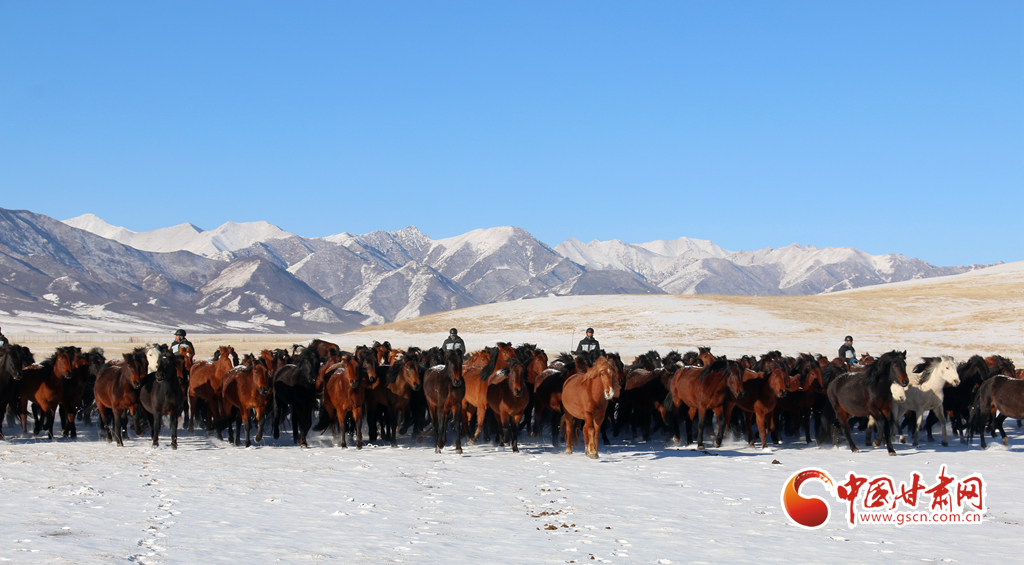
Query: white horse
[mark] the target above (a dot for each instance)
(925, 392)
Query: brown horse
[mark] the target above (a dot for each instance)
(206, 383)
(704, 390)
(43, 384)
(74, 391)
(798, 405)
(760, 394)
(344, 385)
(478, 369)
(322, 347)
(536, 362)
(444, 388)
(586, 397)
(507, 397)
(1001, 394)
(547, 392)
(245, 395)
(117, 391)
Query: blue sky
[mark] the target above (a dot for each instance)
(892, 127)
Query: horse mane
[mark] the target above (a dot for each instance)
(566, 358)
(718, 365)
(485, 373)
(878, 372)
(527, 351)
(974, 368)
(399, 364)
(596, 368)
(926, 368)
(671, 358)
(829, 373)
(1001, 364)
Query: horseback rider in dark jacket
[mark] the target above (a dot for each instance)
(588, 344)
(179, 340)
(454, 342)
(847, 352)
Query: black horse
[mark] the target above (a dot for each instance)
(868, 393)
(444, 389)
(162, 394)
(295, 387)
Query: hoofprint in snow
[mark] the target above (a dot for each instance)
(86, 501)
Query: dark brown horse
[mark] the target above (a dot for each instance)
(507, 397)
(761, 392)
(117, 391)
(75, 382)
(246, 396)
(704, 390)
(585, 397)
(405, 377)
(868, 393)
(206, 383)
(43, 385)
(798, 404)
(295, 389)
(13, 358)
(162, 395)
(444, 387)
(997, 399)
(547, 393)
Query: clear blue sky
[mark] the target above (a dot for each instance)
(885, 126)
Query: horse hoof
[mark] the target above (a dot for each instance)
(1006, 442)
(892, 453)
(592, 455)
(944, 444)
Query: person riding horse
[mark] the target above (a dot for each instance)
(847, 352)
(588, 344)
(454, 342)
(179, 341)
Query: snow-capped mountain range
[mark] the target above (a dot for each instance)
(256, 276)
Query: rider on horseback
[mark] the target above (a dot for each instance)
(179, 341)
(454, 342)
(847, 352)
(588, 344)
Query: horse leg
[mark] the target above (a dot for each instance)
(174, 429)
(723, 423)
(844, 421)
(155, 425)
(260, 416)
(999, 425)
(117, 428)
(761, 431)
(357, 416)
(942, 420)
(567, 428)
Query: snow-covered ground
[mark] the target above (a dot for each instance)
(86, 501)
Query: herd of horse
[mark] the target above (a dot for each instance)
(507, 390)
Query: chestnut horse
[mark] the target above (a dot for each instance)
(76, 380)
(585, 397)
(444, 388)
(761, 391)
(206, 382)
(344, 386)
(246, 389)
(161, 393)
(868, 393)
(117, 391)
(704, 390)
(43, 384)
(479, 368)
(13, 358)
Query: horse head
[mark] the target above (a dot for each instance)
(779, 381)
(63, 361)
(453, 365)
(166, 365)
(367, 359)
(897, 367)
(15, 358)
(516, 382)
(733, 376)
(260, 375)
(136, 366)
